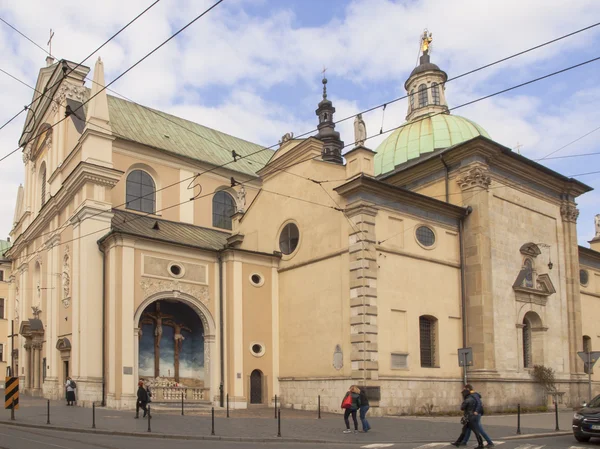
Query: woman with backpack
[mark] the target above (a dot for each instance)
(351, 404)
(70, 386)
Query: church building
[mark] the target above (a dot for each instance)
(149, 247)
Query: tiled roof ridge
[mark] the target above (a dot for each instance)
(164, 220)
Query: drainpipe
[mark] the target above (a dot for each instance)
(103, 324)
(221, 336)
(447, 174)
(463, 288)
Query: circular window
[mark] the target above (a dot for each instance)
(257, 349)
(425, 236)
(583, 277)
(176, 270)
(257, 280)
(289, 238)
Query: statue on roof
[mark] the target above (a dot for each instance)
(426, 42)
(597, 223)
(360, 131)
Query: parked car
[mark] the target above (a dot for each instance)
(586, 422)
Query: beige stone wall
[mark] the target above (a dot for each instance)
(5, 320)
(590, 305)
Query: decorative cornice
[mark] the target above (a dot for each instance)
(72, 91)
(152, 286)
(476, 177)
(569, 212)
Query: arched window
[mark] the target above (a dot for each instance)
(412, 99)
(43, 184)
(422, 95)
(428, 341)
(435, 93)
(140, 192)
(527, 358)
(223, 209)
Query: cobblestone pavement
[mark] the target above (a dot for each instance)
(260, 424)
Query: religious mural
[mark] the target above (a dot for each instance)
(171, 343)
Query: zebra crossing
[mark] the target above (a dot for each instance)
(448, 445)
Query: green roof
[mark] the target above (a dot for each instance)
(182, 137)
(4, 245)
(424, 135)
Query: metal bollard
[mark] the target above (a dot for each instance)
(48, 420)
(518, 419)
(93, 415)
(279, 423)
(212, 430)
(275, 407)
(12, 410)
(319, 406)
(149, 418)
(556, 413)
(228, 405)
(182, 403)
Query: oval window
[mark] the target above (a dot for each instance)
(583, 277)
(289, 238)
(425, 236)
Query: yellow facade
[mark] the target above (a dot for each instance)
(329, 276)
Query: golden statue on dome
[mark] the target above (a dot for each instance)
(426, 42)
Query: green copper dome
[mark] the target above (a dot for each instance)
(422, 136)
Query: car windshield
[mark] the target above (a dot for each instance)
(595, 403)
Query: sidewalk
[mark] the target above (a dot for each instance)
(260, 425)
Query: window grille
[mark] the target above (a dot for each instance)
(527, 344)
(412, 99)
(223, 209)
(2, 309)
(435, 93)
(43, 187)
(141, 192)
(422, 95)
(425, 236)
(289, 238)
(427, 339)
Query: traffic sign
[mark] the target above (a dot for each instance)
(465, 357)
(589, 357)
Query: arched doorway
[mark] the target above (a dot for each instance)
(256, 387)
(171, 344)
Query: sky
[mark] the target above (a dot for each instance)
(253, 68)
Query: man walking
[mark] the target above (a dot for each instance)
(142, 400)
(469, 408)
(478, 414)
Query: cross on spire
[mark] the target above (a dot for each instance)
(518, 147)
(50, 42)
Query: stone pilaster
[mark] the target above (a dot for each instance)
(569, 214)
(363, 293)
(474, 181)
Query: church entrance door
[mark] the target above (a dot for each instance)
(256, 387)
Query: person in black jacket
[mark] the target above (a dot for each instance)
(469, 408)
(364, 408)
(142, 400)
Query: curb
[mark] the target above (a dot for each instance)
(244, 439)
(538, 435)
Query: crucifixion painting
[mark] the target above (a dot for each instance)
(156, 318)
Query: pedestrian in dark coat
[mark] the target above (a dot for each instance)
(469, 407)
(142, 400)
(354, 394)
(364, 408)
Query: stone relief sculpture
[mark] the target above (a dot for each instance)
(285, 138)
(597, 225)
(360, 130)
(338, 358)
(241, 199)
(66, 280)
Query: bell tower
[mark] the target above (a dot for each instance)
(332, 148)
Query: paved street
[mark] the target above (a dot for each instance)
(15, 438)
(258, 425)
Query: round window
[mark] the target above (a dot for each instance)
(425, 236)
(176, 270)
(257, 349)
(289, 238)
(583, 277)
(257, 280)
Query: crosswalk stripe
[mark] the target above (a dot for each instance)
(577, 447)
(377, 445)
(433, 445)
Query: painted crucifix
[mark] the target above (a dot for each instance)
(156, 317)
(178, 337)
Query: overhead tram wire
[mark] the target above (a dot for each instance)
(397, 99)
(76, 66)
(398, 127)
